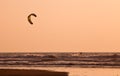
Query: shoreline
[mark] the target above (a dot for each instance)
(30, 72)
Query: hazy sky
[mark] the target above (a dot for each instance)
(61, 26)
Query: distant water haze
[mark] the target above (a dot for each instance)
(60, 26)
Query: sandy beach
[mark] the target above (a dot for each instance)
(22, 72)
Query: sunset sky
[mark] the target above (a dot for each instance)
(60, 26)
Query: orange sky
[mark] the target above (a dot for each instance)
(61, 26)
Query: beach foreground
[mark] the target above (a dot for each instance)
(22, 72)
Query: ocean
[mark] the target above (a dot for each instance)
(76, 64)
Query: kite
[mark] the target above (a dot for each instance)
(29, 17)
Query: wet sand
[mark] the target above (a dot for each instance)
(22, 72)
